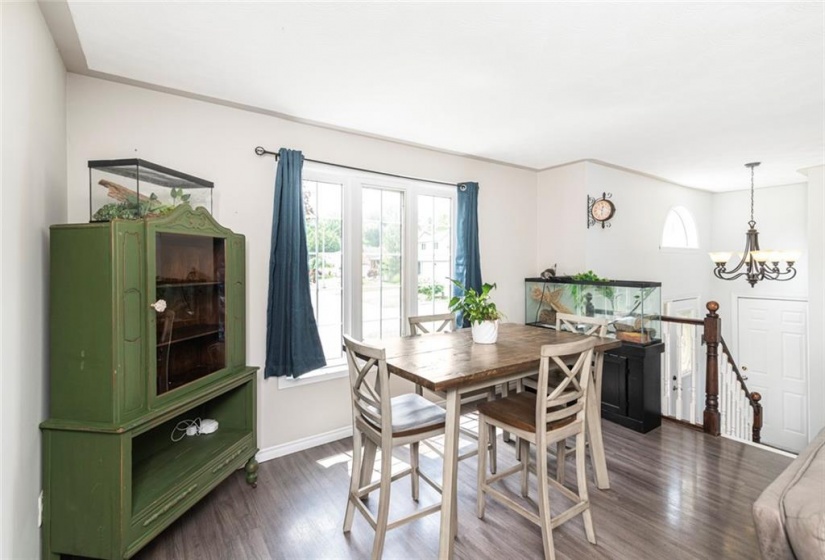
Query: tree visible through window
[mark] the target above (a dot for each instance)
(680, 229)
(323, 215)
(378, 253)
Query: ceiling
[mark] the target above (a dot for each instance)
(688, 92)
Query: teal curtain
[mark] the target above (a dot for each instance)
(467, 255)
(293, 346)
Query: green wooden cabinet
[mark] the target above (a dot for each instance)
(147, 331)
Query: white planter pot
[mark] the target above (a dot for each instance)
(485, 332)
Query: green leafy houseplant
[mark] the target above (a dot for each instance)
(474, 306)
(578, 294)
(477, 308)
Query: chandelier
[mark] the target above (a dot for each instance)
(755, 264)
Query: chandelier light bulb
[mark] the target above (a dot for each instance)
(720, 257)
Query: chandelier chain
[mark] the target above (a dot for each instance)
(752, 196)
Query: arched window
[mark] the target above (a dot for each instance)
(680, 229)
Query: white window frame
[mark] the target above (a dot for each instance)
(688, 223)
(353, 182)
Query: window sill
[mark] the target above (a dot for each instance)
(325, 374)
(683, 250)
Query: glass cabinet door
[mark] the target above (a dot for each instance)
(190, 307)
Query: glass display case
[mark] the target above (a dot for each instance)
(134, 188)
(633, 308)
(147, 334)
(189, 285)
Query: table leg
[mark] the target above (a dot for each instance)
(594, 425)
(449, 511)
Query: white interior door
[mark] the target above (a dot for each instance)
(773, 349)
(680, 386)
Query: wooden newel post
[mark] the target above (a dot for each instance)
(712, 335)
(757, 417)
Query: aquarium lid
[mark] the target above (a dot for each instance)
(616, 283)
(142, 170)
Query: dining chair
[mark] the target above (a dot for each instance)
(442, 322)
(382, 422)
(590, 326)
(574, 323)
(551, 415)
(445, 322)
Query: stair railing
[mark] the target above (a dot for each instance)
(736, 401)
(739, 412)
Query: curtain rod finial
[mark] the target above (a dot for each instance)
(260, 151)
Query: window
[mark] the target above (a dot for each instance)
(381, 286)
(435, 224)
(323, 214)
(680, 229)
(379, 251)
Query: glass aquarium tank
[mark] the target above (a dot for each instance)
(134, 188)
(633, 309)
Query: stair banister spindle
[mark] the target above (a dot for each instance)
(693, 379)
(734, 394)
(724, 402)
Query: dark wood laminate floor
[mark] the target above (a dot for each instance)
(675, 494)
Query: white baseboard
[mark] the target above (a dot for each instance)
(304, 443)
(760, 446)
(314, 441)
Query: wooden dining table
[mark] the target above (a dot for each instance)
(452, 364)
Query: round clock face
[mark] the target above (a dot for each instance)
(602, 210)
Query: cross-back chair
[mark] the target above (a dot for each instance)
(589, 326)
(552, 414)
(442, 322)
(445, 322)
(384, 422)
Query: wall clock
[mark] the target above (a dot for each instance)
(600, 210)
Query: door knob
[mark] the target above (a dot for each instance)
(159, 305)
(744, 368)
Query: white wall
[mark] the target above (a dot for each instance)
(816, 296)
(560, 214)
(629, 249)
(108, 120)
(33, 197)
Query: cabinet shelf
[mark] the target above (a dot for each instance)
(186, 284)
(165, 470)
(190, 333)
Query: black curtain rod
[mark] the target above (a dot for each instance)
(260, 151)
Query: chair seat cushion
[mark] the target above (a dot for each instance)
(518, 411)
(413, 414)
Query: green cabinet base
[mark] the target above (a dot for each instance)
(113, 490)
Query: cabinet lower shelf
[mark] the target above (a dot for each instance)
(156, 475)
(113, 491)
